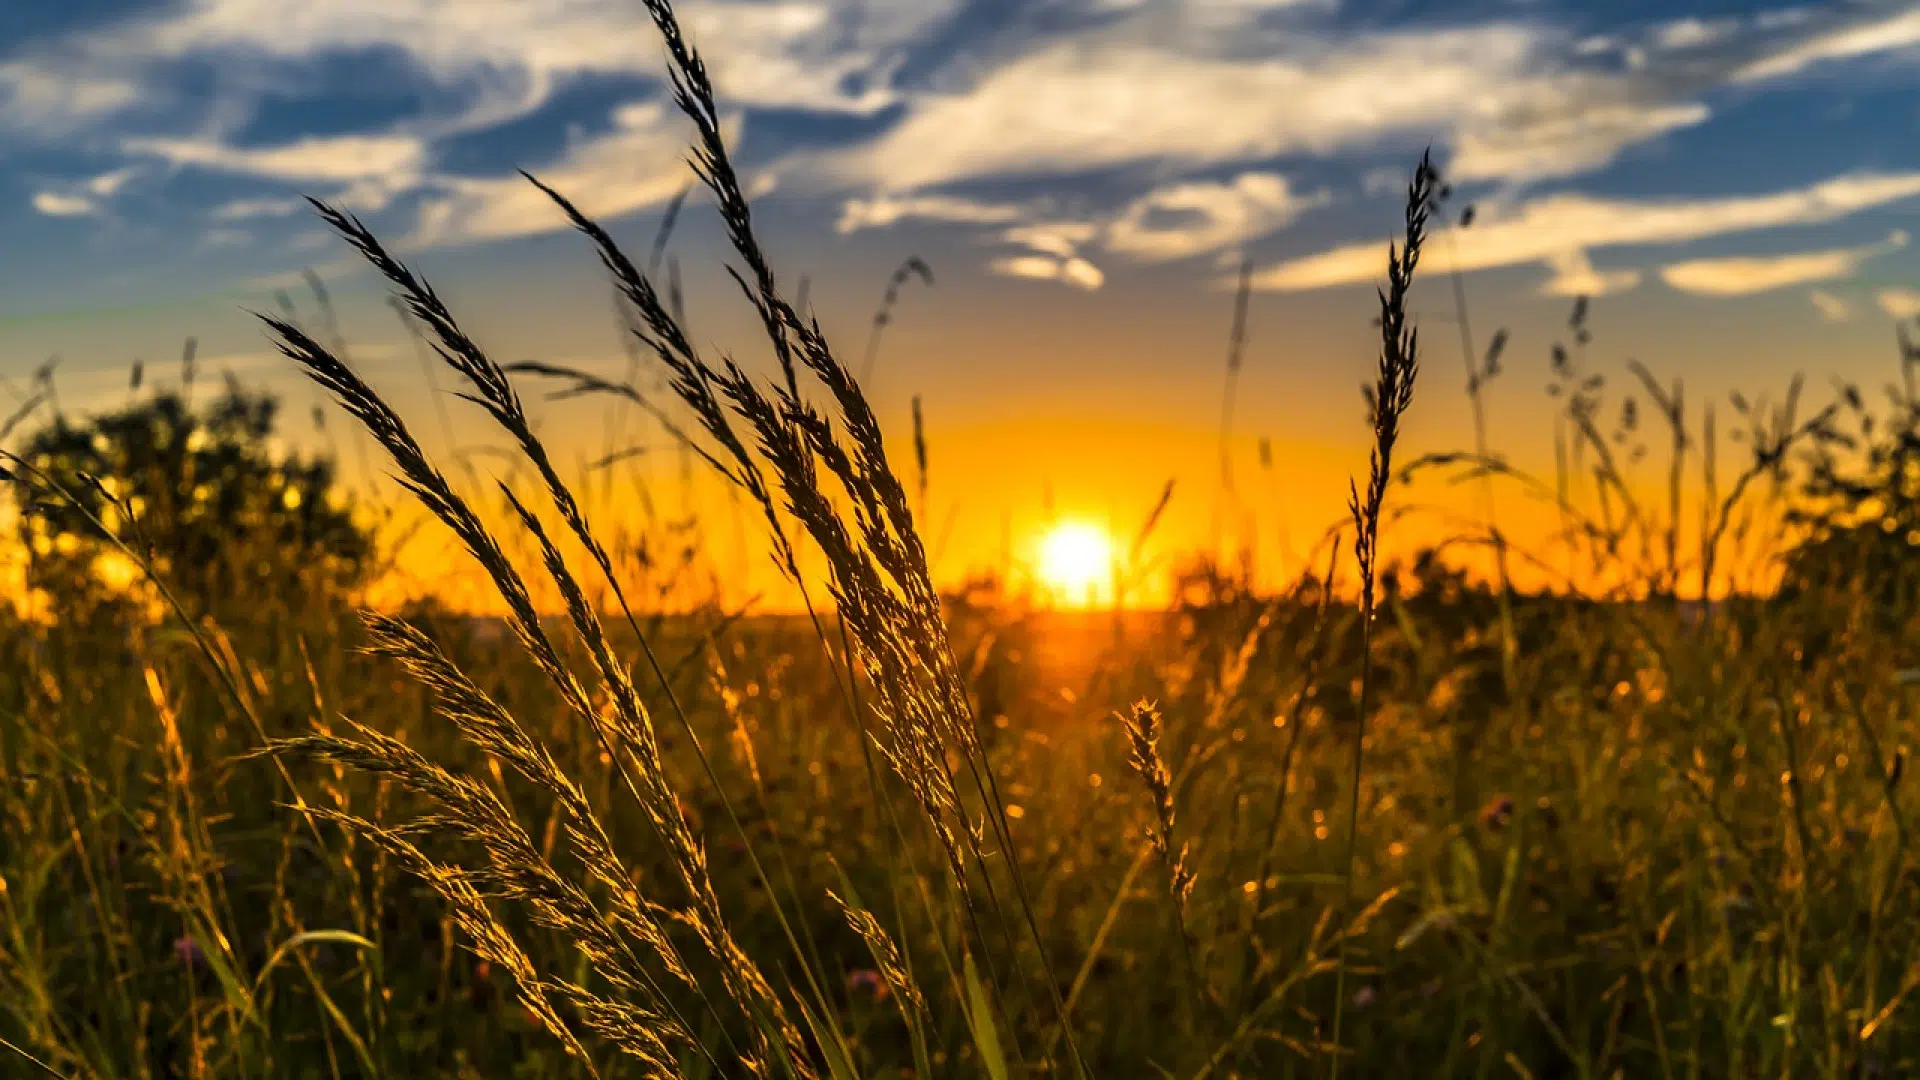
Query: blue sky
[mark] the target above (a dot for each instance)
(1734, 183)
(1611, 146)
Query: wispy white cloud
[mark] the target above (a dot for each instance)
(1512, 100)
(1744, 275)
(1383, 179)
(225, 238)
(250, 209)
(1052, 253)
(325, 159)
(1568, 136)
(1890, 28)
(1060, 239)
(1071, 270)
(1162, 98)
(108, 184)
(1901, 303)
(41, 97)
(1173, 222)
(1076, 105)
(883, 211)
(829, 55)
(638, 164)
(1690, 32)
(85, 198)
(1575, 275)
(496, 60)
(1182, 220)
(1831, 308)
(1555, 227)
(57, 204)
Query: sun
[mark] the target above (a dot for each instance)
(1076, 563)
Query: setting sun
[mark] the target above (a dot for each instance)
(1076, 562)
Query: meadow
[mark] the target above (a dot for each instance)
(1646, 819)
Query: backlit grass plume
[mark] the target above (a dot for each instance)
(1143, 726)
(790, 457)
(876, 561)
(1387, 399)
(625, 730)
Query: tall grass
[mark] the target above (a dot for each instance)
(1388, 399)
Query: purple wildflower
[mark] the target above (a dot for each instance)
(867, 981)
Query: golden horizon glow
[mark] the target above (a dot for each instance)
(1076, 564)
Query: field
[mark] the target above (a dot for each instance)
(1646, 820)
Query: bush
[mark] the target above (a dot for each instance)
(203, 495)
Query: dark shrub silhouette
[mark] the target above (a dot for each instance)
(202, 494)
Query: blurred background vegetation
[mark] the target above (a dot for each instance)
(1651, 822)
(1660, 837)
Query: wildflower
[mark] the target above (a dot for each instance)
(1364, 997)
(187, 951)
(867, 981)
(480, 993)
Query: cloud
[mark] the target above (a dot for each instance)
(1383, 180)
(1514, 100)
(365, 172)
(85, 198)
(55, 204)
(108, 184)
(883, 211)
(1052, 253)
(40, 96)
(494, 61)
(823, 55)
(250, 209)
(1173, 222)
(323, 159)
(1071, 270)
(1693, 33)
(638, 164)
(1741, 276)
(1901, 303)
(1085, 104)
(225, 238)
(1566, 139)
(1885, 30)
(1574, 275)
(1164, 97)
(1555, 227)
(1832, 309)
(1060, 239)
(1191, 219)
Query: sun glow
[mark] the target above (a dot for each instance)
(1076, 563)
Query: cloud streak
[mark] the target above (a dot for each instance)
(1194, 116)
(1184, 220)
(1900, 303)
(1831, 308)
(1554, 228)
(1069, 270)
(1746, 275)
(636, 165)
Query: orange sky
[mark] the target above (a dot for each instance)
(1033, 394)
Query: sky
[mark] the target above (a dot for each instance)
(1733, 186)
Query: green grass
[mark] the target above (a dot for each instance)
(1655, 900)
